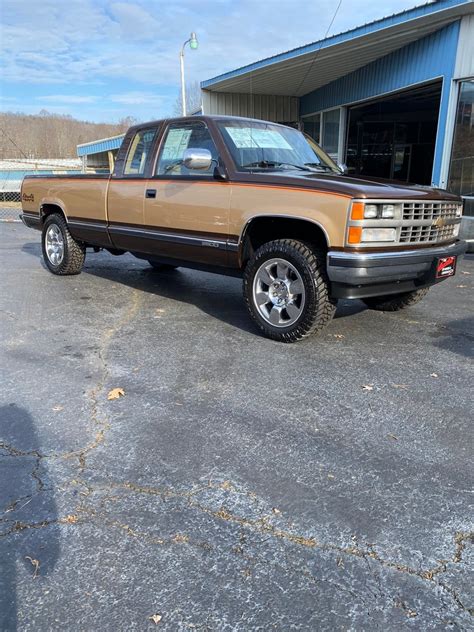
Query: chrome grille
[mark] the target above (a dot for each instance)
(430, 210)
(424, 216)
(429, 234)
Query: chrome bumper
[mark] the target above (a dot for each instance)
(359, 275)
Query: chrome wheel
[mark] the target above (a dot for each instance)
(278, 292)
(54, 245)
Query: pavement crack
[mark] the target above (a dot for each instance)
(101, 420)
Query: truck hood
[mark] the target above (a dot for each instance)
(369, 188)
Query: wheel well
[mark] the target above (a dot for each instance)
(263, 229)
(49, 209)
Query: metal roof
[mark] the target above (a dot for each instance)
(339, 55)
(99, 146)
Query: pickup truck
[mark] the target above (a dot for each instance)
(252, 198)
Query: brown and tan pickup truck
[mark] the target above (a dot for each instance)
(246, 197)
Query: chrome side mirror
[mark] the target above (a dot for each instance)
(343, 167)
(199, 159)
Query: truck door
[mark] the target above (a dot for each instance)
(126, 195)
(187, 211)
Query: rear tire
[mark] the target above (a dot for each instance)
(62, 254)
(286, 290)
(161, 267)
(395, 302)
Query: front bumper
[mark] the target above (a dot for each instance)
(364, 274)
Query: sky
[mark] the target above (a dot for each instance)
(104, 60)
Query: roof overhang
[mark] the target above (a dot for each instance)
(305, 69)
(99, 146)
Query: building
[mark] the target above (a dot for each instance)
(390, 99)
(99, 155)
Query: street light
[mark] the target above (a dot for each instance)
(193, 44)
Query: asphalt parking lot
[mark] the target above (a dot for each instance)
(238, 483)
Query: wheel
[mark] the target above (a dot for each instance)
(286, 290)
(61, 252)
(161, 266)
(395, 302)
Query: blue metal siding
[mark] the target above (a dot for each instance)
(431, 57)
(100, 146)
(372, 27)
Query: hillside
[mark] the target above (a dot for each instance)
(48, 135)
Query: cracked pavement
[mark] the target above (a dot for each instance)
(239, 483)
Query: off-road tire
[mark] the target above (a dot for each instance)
(395, 302)
(74, 251)
(310, 263)
(161, 267)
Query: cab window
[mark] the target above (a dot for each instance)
(139, 152)
(182, 136)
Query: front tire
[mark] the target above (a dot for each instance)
(395, 302)
(286, 290)
(62, 254)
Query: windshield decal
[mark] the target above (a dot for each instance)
(253, 138)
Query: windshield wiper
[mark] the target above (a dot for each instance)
(265, 164)
(318, 165)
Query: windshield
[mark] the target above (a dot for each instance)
(263, 146)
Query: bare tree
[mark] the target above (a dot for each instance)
(47, 135)
(193, 99)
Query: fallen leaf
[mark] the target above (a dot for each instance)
(115, 393)
(400, 385)
(392, 436)
(330, 475)
(276, 511)
(434, 375)
(57, 408)
(339, 336)
(368, 387)
(36, 565)
(461, 285)
(156, 618)
(71, 519)
(463, 272)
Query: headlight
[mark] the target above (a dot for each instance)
(378, 234)
(370, 211)
(391, 211)
(361, 210)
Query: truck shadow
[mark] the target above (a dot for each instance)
(24, 490)
(456, 336)
(217, 295)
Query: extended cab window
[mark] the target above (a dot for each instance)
(139, 152)
(182, 136)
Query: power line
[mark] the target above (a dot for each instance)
(317, 51)
(14, 144)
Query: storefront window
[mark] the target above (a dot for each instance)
(312, 126)
(330, 140)
(461, 174)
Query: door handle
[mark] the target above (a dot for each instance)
(150, 193)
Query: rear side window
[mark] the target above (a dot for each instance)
(139, 152)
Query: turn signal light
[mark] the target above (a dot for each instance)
(357, 211)
(355, 234)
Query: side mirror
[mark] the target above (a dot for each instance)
(199, 159)
(343, 167)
